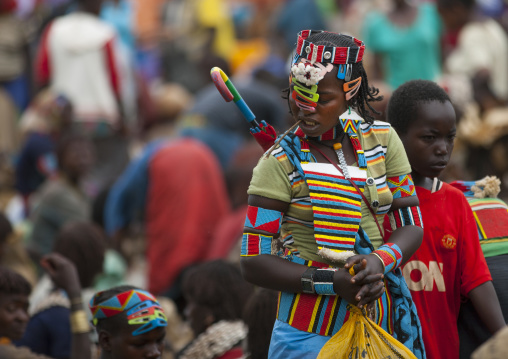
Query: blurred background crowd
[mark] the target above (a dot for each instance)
(117, 151)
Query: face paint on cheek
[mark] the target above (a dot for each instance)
(304, 78)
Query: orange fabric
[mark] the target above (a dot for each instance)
(147, 21)
(186, 198)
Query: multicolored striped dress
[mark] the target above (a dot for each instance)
(290, 174)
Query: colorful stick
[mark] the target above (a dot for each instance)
(229, 92)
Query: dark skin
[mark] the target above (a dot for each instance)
(13, 315)
(64, 275)
(429, 144)
(279, 274)
(91, 6)
(77, 161)
(123, 345)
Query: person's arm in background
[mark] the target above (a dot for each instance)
(486, 303)
(64, 274)
(476, 281)
(127, 196)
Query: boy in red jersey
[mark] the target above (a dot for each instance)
(449, 263)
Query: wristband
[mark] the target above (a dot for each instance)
(256, 244)
(323, 281)
(263, 219)
(307, 281)
(407, 216)
(401, 186)
(391, 256)
(79, 322)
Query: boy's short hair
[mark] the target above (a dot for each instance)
(12, 283)
(406, 98)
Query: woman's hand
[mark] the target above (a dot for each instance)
(344, 287)
(368, 268)
(370, 293)
(369, 274)
(63, 273)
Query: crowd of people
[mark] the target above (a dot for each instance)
(142, 216)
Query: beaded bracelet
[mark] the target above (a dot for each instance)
(79, 322)
(323, 281)
(318, 281)
(390, 255)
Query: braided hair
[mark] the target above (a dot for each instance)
(366, 93)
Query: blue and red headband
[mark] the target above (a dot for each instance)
(142, 309)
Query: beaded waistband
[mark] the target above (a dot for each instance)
(319, 314)
(324, 314)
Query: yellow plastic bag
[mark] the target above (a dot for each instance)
(361, 338)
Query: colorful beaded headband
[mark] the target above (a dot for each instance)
(315, 62)
(328, 54)
(142, 308)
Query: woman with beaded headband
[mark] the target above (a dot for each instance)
(319, 193)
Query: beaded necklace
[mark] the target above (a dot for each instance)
(336, 204)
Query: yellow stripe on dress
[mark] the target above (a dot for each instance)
(342, 199)
(293, 310)
(314, 312)
(338, 225)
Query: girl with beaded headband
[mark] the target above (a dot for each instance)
(312, 229)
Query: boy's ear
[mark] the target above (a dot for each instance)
(105, 340)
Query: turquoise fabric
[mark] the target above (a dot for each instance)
(289, 342)
(407, 53)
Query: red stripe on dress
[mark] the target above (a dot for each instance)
(328, 313)
(304, 309)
